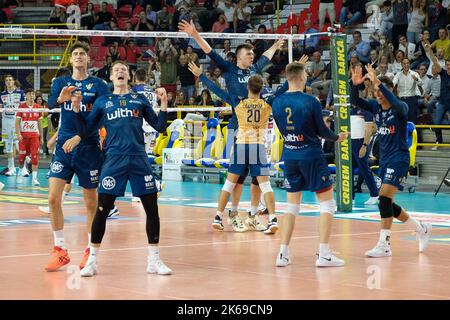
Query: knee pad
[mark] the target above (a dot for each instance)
(265, 187)
(328, 206)
(385, 206)
(255, 181)
(396, 210)
(228, 186)
(292, 208)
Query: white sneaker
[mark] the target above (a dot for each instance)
(253, 223)
(435, 147)
(89, 270)
(2, 185)
(329, 261)
(382, 249)
(114, 212)
(10, 172)
(272, 227)
(231, 214)
(237, 224)
(282, 260)
(372, 201)
(24, 172)
(44, 209)
(423, 236)
(36, 182)
(156, 265)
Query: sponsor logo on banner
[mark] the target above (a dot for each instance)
(108, 183)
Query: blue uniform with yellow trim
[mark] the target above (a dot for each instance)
(391, 124)
(126, 159)
(86, 159)
(299, 119)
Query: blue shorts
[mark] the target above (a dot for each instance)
(117, 170)
(311, 174)
(85, 161)
(249, 157)
(394, 173)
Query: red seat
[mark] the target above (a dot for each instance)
(138, 9)
(122, 53)
(97, 41)
(125, 11)
(101, 54)
(96, 8)
(98, 64)
(8, 13)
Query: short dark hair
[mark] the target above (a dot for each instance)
(8, 75)
(386, 81)
(243, 46)
(294, 69)
(255, 84)
(141, 75)
(77, 45)
(29, 90)
(357, 32)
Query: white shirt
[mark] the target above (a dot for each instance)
(395, 67)
(387, 74)
(407, 86)
(357, 125)
(408, 51)
(228, 11)
(425, 83)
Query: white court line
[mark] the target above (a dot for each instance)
(207, 244)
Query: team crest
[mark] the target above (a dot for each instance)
(89, 86)
(109, 104)
(134, 96)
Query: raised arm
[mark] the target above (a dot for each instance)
(269, 53)
(159, 122)
(432, 56)
(355, 99)
(189, 28)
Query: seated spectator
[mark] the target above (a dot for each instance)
(432, 91)
(311, 44)
(315, 69)
(191, 56)
(104, 72)
(383, 71)
(221, 25)
(407, 47)
(441, 61)
(396, 66)
(385, 49)
(437, 16)
(228, 8)
(359, 47)
(104, 18)
(352, 12)
(373, 58)
(57, 16)
(113, 52)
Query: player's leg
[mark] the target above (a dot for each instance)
(90, 201)
(152, 227)
(8, 135)
(325, 257)
(234, 218)
(253, 222)
(22, 155)
(59, 256)
(34, 152)
(227, 188)
(286, 222)
(105, 203)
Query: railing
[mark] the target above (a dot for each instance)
(432, 126)
(35, 40)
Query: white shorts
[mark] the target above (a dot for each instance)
(9, 135)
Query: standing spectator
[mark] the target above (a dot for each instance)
(150, 14)
(432, 91)
(191, 56)
(186, 78)
(89, 17)
(352, 11)
(144, 25)
(168, 64)
(57, 16)
(396, 66)
(387, 17)
(407, 47)
(113, 52)
(420, 54)
(383, 71)
(311, 44)
(400, 10)
(437, 18)
(443, 106)
(407, 83)
(440, 58)
(228, 8)
(133, 54)
(418, 20)
(359, 47)
(326, 6)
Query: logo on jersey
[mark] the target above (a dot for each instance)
(386, 130)
(243, 79)
(89, 86)
(123, 113)
(134, 96)
(56, 167)
(287, 185)
(108, 183)
(149, 181)
(148, 178)
(109, 104)
(93, 173)
(294, 138)
(83, 107)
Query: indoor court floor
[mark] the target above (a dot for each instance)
(216, 265)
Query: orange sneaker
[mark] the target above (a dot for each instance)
(85, 258)
(59, 258)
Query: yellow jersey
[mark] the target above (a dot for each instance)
(252, 116)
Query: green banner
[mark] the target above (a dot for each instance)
(344, 173)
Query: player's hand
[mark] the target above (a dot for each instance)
(342, 137)
(71, 143)
(66, 94)
(188, 27)
(362, 151)
(19, 136)
(196, 70)
(161, 95)
(372, 75)
(303, 59)
(357, 77)
(278, 44)
(41, 141)
(76, 101)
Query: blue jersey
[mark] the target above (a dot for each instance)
(91, 88)
(11, 99)
(122, 115)
(236, 79)
(391, 124)
(148, 92)
(299, 119)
